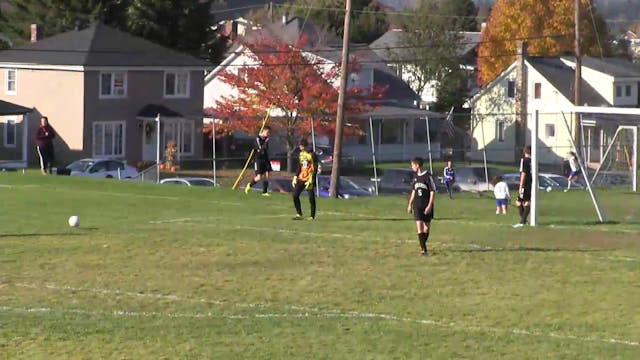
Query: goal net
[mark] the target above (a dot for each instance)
(617, 165)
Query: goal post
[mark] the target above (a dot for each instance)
(625, 121)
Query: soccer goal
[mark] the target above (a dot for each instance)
(618, 153)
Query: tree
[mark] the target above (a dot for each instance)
(57, 16)
(430, 53)
(462, 12)
(183, 25)
(296, 89)
(368, 23)
(548, 28)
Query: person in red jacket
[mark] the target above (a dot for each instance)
(44, 145)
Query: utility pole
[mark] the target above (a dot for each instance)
(577, 98)
(344, 72)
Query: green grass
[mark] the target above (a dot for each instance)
(176, 273)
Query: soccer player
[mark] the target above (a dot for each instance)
(262, 163)
(449, 178)
(305, 179)
(501, 192)
(575, 170)
(524, 188)
(423, 192)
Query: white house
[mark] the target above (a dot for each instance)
(548, 86)
(397, 128)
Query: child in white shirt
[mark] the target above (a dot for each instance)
(501, 192)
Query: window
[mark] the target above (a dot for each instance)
(627, 90)
(391, 132)
(537, 90)
(176, 84)
(511, 89)
(108, 139)
(11, 76)
(113, 84)
(500, 129)
(618, 91)
(550, 131)
(10, 133)
(182, 133)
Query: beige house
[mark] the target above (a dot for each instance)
(102, 90)
(546, 85)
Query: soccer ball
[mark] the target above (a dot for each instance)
(74, 221)
(548, 188)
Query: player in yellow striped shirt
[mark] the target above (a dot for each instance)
(305, 179)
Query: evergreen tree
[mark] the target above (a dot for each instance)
(368, 21)
(463, 12)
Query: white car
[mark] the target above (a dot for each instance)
(188, 181)
(101, 168)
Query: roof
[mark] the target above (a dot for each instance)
(616, 67)
(562, 78)
(7, 108)
(153, 110)
(390, 45)
(389, 111)
(398, 91)
(98, 45)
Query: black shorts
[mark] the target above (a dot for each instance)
(526, 193)
(262, 166)
(419, 215)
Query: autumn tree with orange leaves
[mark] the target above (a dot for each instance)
(547, 27)
(297, 87)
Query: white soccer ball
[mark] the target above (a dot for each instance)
(74, 221)
(548, 188)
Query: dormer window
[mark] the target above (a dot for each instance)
(11, 81)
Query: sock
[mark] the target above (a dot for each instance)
(568, 185)
(525, 214)
(426, 237)
(312, 202)
(520, 211)
(296, 203)
(423, 242)
(253, 182)
(265, 186)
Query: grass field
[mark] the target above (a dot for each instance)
(161, 272)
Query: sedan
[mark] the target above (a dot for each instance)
(189, 181)
(100, 168)
(347, 189)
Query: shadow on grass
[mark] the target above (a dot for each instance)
(78, 232)
(523, 249)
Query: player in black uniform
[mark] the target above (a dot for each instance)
(421, 201)
(262, 163)
(524, 189)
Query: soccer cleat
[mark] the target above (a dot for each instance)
(424, 253)
(519, 225)
(309, 218)
(298, 217)
(566, 190)
(266, 194)
(247, 188)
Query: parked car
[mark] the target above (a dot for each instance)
(347, 188)
(325, 157)
(473, 178)
(545, 180)
(188, 181)
(276, 185)
(397, 181)
(100, 168)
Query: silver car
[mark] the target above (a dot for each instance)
(100, 168)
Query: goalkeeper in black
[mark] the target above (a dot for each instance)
(262, 163)
(421, 200)
(305, 179)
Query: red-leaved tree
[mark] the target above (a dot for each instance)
(295, 87)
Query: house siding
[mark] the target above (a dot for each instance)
(57, 95)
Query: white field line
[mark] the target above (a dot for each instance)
(315, 313)
(258, 228)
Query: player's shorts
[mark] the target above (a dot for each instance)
(262, 166)
(502, 202)
(574, 173)
(419, 215)
(526, 193)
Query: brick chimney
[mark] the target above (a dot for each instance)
(36, 32)
(521, 97)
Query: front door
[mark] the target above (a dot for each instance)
(149, 140)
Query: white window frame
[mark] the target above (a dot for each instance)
(179, 126)
(546, 131)
(102, 154)
(15, 82)
(500, 131)
(175, 94)
(5, 143)
(112, 94)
